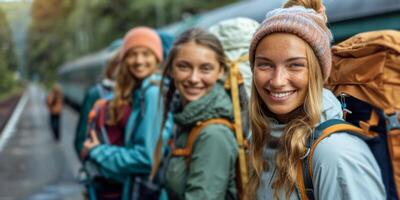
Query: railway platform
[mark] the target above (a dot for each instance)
(32, 165)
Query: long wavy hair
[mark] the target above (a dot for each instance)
(291, 146)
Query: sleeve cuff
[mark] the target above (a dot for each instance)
(95, 150)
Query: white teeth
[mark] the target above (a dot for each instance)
(281, 94)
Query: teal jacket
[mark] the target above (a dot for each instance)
(211, 174)
(141, 134)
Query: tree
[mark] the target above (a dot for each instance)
(63, 30)
(8, 63)
(46, 35)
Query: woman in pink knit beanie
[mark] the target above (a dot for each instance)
(290, 60)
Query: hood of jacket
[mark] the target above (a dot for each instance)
(332, 108)
(215, 104)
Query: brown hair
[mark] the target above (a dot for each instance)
(291, 146)
(112, 66)
(197, 36)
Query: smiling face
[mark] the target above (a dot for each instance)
(281, 73)
(195, 71)
(141, 62)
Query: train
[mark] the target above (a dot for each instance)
(346, 18)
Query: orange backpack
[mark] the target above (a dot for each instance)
(365, 77)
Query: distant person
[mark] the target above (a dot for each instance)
(100, 90)
(55, 101)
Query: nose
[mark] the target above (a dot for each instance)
(194, 77)
(279, 77)
(139, 59)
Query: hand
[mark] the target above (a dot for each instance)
(89, 144)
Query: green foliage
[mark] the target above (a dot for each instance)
(63, 30)
(8, 63)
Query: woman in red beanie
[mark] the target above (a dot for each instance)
(135, 108)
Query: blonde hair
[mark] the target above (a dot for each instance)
(291, 146)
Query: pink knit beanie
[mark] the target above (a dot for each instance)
(306, 24)
(144, 37)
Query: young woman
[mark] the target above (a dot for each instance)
(195, 65)
(135, 103)
(290, 59)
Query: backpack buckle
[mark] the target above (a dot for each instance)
(392, 121)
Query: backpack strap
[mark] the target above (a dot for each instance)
(324, 130)
(195, 132)
(93, 112)
(233, 81)
(234, 71)
(97, 118)
(101, 121)
(393, 139)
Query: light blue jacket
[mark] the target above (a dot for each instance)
(343, 166)
(141, 134)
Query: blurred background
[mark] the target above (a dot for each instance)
(43, 42)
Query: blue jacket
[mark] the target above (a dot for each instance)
(141, 134)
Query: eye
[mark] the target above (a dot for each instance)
(263, 64)
(297, 65)
(182, 67)
(206, 68)
(146, 53)
(131, 54)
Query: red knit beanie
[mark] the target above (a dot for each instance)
(144, 37)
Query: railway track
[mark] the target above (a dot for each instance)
(6, 109)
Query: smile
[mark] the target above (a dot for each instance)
(280, 96)
(192, 90)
